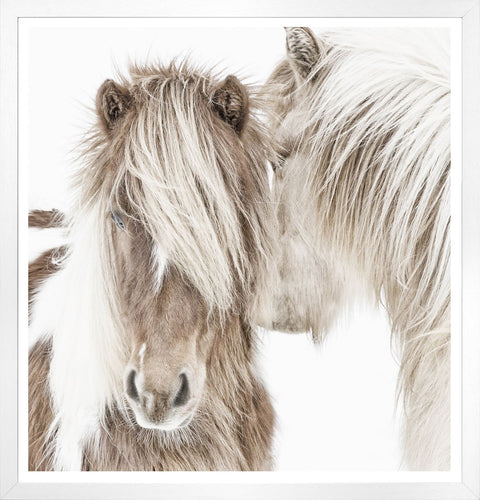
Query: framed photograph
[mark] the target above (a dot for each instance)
(135, 140)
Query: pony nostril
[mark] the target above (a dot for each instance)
(131, 387)
(183, 393)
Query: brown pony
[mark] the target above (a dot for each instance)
(142, 349)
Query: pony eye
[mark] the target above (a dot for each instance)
(117, 218)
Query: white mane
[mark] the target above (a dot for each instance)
(76, 307)
(382, 122)
(366, 193)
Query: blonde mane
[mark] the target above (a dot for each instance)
(385, 194)
(362, 120)
(176, 167)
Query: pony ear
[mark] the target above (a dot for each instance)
(303, 50)
(230, 100)
(112, 103)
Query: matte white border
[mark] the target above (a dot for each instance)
(237, 22)
(363, 487)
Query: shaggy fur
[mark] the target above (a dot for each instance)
(168, 246)
(45, 218)
(42, 267)
(363, 189)
(40, 407)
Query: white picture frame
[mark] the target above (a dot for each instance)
(467, 484)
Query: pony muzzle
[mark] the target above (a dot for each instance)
(159, 408)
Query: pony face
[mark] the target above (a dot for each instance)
(166, 323)
(179, 173)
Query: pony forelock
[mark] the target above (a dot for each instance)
(199, 189)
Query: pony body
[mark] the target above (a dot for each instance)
(361, 120)
(142, 352)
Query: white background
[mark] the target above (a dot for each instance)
(335, 404)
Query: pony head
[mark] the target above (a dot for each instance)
(361, 121)
(177, 181)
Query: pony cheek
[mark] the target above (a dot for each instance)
(204, 343)
(123, 247)
(122, 263)
(197, 383)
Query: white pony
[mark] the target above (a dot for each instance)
(361, 118)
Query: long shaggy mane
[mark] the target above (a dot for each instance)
(377, 128)
(201, 192)
(368, 137)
